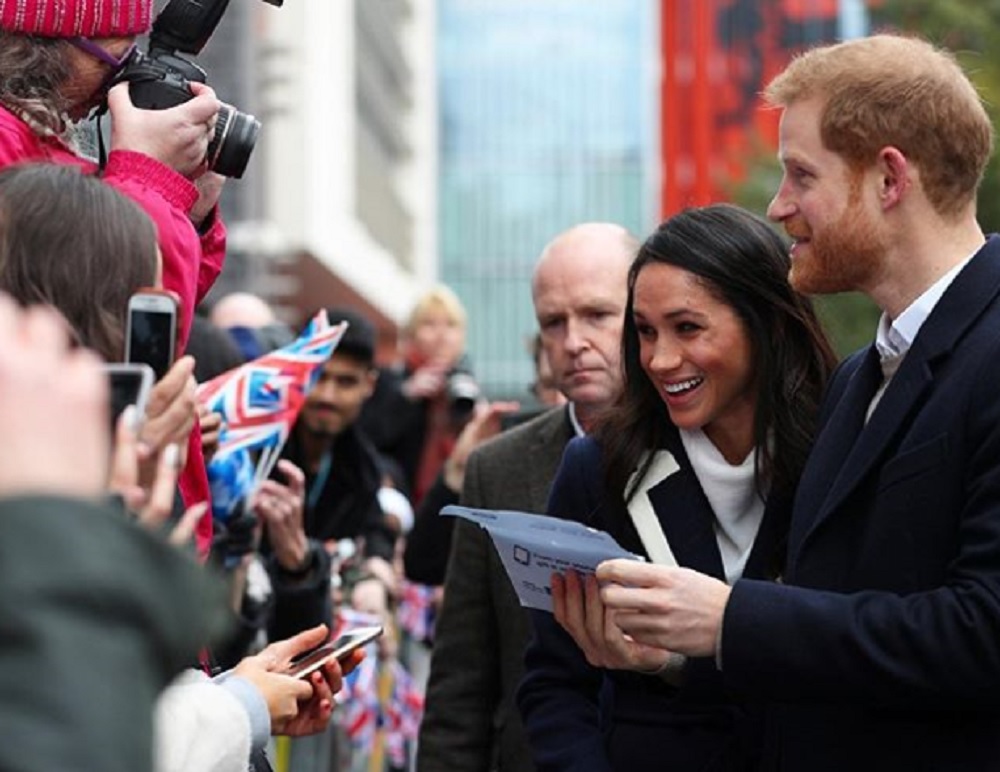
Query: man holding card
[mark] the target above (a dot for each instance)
(470, 721)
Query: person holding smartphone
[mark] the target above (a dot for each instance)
(78, 677)
(44, 206)
(40, 207)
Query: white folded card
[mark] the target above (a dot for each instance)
(533, 547)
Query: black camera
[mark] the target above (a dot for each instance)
(462, 393)
(160, 78)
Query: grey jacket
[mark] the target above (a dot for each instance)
(471, 722)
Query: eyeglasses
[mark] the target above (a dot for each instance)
(117, 64)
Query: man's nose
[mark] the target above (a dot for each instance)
(781, 207)
(323, 391)
(576, 337)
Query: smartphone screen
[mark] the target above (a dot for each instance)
(151, 339)
(338, 649)
(128, 384)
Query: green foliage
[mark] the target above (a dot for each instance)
(971, 29)
(850, 318)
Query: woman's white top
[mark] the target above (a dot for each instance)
(732, 495)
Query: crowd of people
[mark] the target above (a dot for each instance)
(821, 541)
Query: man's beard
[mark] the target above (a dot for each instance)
(845, 256)
(320, 429)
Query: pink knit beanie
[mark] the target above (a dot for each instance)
(68, 18)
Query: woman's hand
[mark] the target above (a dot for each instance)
(170, 416)
(578, 608)
(314, 702)
(153, 506)
(663, 606)
(53, 408)
(210, 425)
(282, 693)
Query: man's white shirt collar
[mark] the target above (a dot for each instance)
(895, 339)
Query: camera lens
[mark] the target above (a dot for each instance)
(230, 148)
(463, 393)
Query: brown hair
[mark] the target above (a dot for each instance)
(741, 260)
(899, 91)
(73, 242)
(32, 72)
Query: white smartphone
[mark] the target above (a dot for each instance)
(151, 330)
(128, 384)
(339, 649)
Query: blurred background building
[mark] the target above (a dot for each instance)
(412, 141)
(338, 206)
(717, 57)
(548, 118)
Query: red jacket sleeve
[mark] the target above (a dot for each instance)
(167, 197)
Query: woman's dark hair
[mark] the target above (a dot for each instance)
(32, 73)
(73, 242)
(741, 261)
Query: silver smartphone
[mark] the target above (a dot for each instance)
(151, 330)
(128, 384)
(338, 649)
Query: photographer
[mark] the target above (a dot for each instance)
(420, 406)
(56, 60)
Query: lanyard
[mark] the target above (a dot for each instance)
(320, 480)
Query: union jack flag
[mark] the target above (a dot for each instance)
(259, 402)
(347, 618)
(397, 711)
(402, 714)
(417, 611)
(358, 701)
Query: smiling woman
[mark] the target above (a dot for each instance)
(695, 350)
(730, 267)
(724, 364)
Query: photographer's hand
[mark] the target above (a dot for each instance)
(177, 137)
(426, 383)
(209, 187)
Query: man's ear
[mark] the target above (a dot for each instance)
(895, 176)
(371, 380)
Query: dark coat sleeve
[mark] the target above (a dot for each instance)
(920, 631)
(559, 697)
(429, 541)
(300, 602)
(457, 727)
(96, 617)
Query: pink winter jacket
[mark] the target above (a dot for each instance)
(191, 263)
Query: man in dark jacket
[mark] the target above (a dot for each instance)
(470, 721)
(332, 475)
